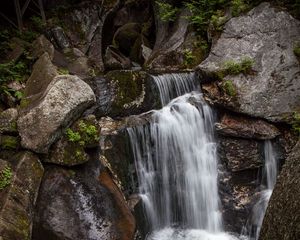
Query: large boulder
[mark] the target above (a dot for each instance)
(268, 36)
(86, 198)
(282, 218)
(41, 123)
(20, 181)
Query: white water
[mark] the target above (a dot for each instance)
(176, 163)
(269, 176)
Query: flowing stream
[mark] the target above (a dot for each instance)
(254, 223)
(176, 162)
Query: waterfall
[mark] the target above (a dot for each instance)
(176, 162)
(270, 171)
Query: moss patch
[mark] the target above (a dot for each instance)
(229, 88)
(9, 142)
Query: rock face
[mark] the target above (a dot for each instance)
(86, 198)
(268, 36)
(19, 197)
(282, 219)
(124, 93)
(65, 99)
(8, 121)
(236, 126)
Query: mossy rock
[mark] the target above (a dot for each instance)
(8, 121)
(9, 142)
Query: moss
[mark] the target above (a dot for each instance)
(25, 102)
(9, 142)
(232, 67)
(229, 88)
(63, 71)
(74, 154)
(296, 123)
(5, 177)
(238, 7)
(297, 50)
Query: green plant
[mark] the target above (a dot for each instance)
(89, 131)
(297, 50)
(218, 20)
(167, 12)
(73, 136)
(63, 71)
(5, 177)
(229, 88)
(37, 22)
(296, 122)
(188, 57)
(232, 67)
(238, 7)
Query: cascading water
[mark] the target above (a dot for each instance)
(253, 226)
(176, 162)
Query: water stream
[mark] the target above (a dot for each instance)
(176, 162)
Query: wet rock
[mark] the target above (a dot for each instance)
(268, 36)
(240, 154)
(282, 218)
(42, 45)
(124, 93)
(87, 198)
(115, 60)
(42, 74)
(8, 121)
(65, 99)
(238, 126)
(19, 197)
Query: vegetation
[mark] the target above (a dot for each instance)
(63, 71)
(229, 88)
(238, 7)
(189, 58)
(167, 12)
(84, 134)
(297, 50)
(296, 122)
(232, 67)
(5, 177)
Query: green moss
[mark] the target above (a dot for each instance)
(297, 50)
(9, 142)
(232, 67)
(5, 177)
(238, 7)
(188, 58)
(74, 153)
(296, 122)
(167, 12)
(63, 71)
(229, 88)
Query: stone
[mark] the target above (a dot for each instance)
(42, 45)
(60, 37)
(238, 126)
(240, 154)
(42, 74)
(18, 198)
(115, 60)
(85, 197)
(80, 67)
(282, 218)
(68, 151)
(268, 36)
(8, 121)
(123, 93)
(42, 124)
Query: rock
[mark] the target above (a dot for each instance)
(86, 198)
(8, 121)
(268, 36)
(115, 60)
(240, 154)
(18, 46)
(42, 74)
(124, 93)
(80, 67)
(19, 197)
(65, 99)
(282, 218)
(9, 142)
(60, 38)
(70, 149)
(237, 126)
(42, 45)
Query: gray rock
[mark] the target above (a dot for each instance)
(240, 154)
(115, 60)
(60, 37)
(42, 45)
(282, 218)
(80, 67)
(268, 36)
(65, 99)
(42, 74)
(19, 197)
(86, 198)
(8, 121)
(238, 126)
